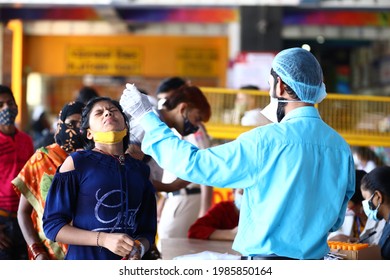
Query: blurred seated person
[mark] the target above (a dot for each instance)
(365, 158)
(220, 222)
(248, 114)
(245, 103)
(355, 219)
(375, 189)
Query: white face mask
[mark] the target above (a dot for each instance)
(371, 213)
(160, 103)
(269, 111)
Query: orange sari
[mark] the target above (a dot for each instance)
(33, 182)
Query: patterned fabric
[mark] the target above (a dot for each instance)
(34, 182)
(69, 136)
(7, 116)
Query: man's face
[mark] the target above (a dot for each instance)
(7, 101)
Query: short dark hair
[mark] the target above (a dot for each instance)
(90, 144)
(86, 93)
(193, 96)
(170, 84)
(250, 87)
(6, 90)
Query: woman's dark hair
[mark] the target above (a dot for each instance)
(377, 180)
(191, 95)
(357, 196)
(90, 144)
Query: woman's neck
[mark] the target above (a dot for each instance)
(112, 149)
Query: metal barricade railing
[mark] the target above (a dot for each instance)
(361, 119)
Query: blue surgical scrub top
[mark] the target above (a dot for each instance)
(297, 176)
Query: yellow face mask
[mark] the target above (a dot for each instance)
(109, 137)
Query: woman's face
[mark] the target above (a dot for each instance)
(194, 119)
(366, 194)
(105, 116)
(73, 121)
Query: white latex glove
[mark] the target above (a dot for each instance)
(135, 103)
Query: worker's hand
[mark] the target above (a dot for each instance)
(134, 102)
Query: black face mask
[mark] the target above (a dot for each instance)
(69, 138)
(188, 127)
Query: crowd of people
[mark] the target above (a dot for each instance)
(116, 176)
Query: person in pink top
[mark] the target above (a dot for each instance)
(16, 147)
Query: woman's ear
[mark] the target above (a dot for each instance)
(89, 134)
(380, 197)
(182, 107)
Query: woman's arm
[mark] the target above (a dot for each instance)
(223, 234)
(26, 225)
(118, 243)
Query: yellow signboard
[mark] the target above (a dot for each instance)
(98, 60)
(198, 62)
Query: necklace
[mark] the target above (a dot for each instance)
(120, 158)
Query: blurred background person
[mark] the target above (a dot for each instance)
(375, 189)
(166, 87)
(41, 128)
(220, 222)
(355, 219)
(86, 93)
(365, 158)
(34, 180)
(199, 138)
(247, 113)
(16, 147)
(183, 111)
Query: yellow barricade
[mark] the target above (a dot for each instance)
(362, 120)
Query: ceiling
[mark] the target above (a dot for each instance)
(366, 4)
(346, 19)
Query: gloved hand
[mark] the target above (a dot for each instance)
(134, 102)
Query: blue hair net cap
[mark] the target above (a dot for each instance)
(300, 70)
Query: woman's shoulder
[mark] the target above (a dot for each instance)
(75, 159)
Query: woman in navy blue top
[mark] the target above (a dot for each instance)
(101, 201)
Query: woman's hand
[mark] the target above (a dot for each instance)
(120, 244)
